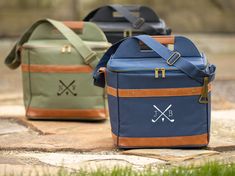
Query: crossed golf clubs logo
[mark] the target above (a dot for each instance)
(163, 114)
(63, 88)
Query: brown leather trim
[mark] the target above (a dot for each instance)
(112, 91)
(115, 139)
(74, 24)
(189, 91)
(165, 39)
(57, 113)
(201, 139)
(56, 68)
(103, 70)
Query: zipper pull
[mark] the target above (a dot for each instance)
(204, 95)
(156, 72)
(163, 72)
(63, 49)
(68, 48)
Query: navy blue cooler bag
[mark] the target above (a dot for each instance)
(157, 97)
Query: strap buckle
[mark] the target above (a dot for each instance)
(173, 58)
(204, 99)
(138, 23)
(91, 57)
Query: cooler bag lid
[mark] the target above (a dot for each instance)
(127, 55)
(114, 18)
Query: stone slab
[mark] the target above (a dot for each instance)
(59, 136)
(223, 130)
(32, 170)
(92, 161)
(12, 111)
(91, 136)
(9, 126)
(170, 155)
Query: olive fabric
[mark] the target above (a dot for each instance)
(57, 60)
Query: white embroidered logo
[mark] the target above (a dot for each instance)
(162, 114)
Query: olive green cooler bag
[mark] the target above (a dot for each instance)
(57, 60)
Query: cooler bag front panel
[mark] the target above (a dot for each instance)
(151, 110)
(54, 80)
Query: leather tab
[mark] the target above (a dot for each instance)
(74, 24)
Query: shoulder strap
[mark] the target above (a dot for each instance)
(174, 58)
(171, 57)
(13, 59)
(136, 22)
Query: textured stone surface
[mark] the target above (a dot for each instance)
(32, 170)
(8, 127)
(222, 130)
(90, 136)
(170, 155)
(59, 136)
(76, 161)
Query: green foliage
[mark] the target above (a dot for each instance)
(209, 169)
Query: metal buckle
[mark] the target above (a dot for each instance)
(138, 23)
(204, 95)
(90, 58)
(127, 33)
(175, 56)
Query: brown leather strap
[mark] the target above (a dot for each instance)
(56, 68)
(88, 113)
(74, 24)
(197, 140)
(165, 92)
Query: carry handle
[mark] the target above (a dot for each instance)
(165, 40)
(181, 44)
(131, 8)
(75, 25)
(136, 22)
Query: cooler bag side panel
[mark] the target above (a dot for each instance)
(113, 100)
(26, 79)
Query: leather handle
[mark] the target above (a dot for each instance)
(74, 24)
(168, 39)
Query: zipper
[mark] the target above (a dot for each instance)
(66, 49)
(158, 72)
(147, 69)
(162, 70)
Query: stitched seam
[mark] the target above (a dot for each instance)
(208, 121)
(30, 87)
(118, 131)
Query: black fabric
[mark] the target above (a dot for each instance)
(146, 22)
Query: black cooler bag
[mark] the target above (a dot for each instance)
(119, 21)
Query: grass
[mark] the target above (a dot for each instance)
(209, 169)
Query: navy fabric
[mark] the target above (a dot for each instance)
(113, 112)
(158, 116)
(141, 64)
(133, 80)
(136, 115)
